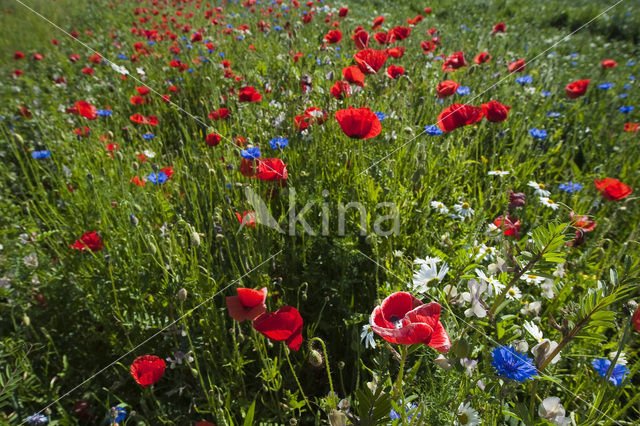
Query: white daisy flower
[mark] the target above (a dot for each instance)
(547, 289)
(467, 416)
(464, 210)
(533, 330)
(441, 208)
(514, 293)
(148, 153)
(533, 279)
(539, 188)
(531, 308)
(549, 203)
(427, 273)
(495, 286)
(367, 337)
(498, 173)
(474, 295)
(552, 410)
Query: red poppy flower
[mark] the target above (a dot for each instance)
(137, 100)
(333, 36)
(609, 63)
(358, 123)
(139, 118)
(341, 89)
(136, 180)
(361, 39)
(353, 75)
(403, 319)
(74, 57)
(613, 189)
(18, 55)
(344, 11)
(370, 61)
(95, 58)
(249, 304)
(482, 58)
(458, 115)
(453, 62)
(395, 71)
(381, 37)
(311, 116)
(577, 88)
(204, 423)
(88, 70)
(152, 120)
(247, 218)
(213, 139)
(248, 168)
(446, 88)
(509, 226)
(631, 127)
(283, 325)
(427, 10)
(86, 110)
(517, 66)
(24, 111)
(583, 222)
(500, 27)
(249, 94)
(377, 23)
(636, 319)
(89, 240)
(399, 33)
(142, 90)
(168, 171)
(37, 57)
(147, 369)
(495, 111)
(396, 52)
(272, 169)
(219, 114)
(428, 46)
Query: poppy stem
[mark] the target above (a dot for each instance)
(332, 398)
(295, 376)
(398, 385)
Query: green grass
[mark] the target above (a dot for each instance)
(95, 307)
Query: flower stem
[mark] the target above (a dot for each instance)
(295, 376)
(332, 398)
(398, 385)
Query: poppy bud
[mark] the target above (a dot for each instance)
(182, 294)
(337, 418)
(135, 165)
(219, 237)
(315, 358)
(195, 239)
(26, 320)
(18, 138)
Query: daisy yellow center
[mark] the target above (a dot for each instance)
(463, 418)
(465, 205)
(550, 201)
(533, 277)
(512, 292)
(541, 185)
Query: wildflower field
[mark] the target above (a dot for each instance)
(342, 213)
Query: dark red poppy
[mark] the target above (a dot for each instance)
(636, 319)
(399, 33)
(249, 304)
(137, 100)
(341, 89)
(89, 240)
(377, 23)
(517, 65)
(353, 75)
(427, 10)
(370, 61)
(428, 46)
(312, 115)
(458, 115)
(495, 111)
(358, 123)
(500, 27)
(143, 90)
(283, 325)
(86, 110)
(508, 225)
(272, 169)
(147, 369)
(395, 71)
(577, 88)
(516, 199)
(613, 189)
(396, 52)
(74, 57)
(609, 63)
(24, 111)
(381, 37)
(482, 58)
(213, 139)
(18, 55)
(219, 114)
(361, 39)
(343, 12)
(37, 57)
(333, 36)
(405, 320)
(249, 94)
(453, 62)
(446, 88)
(631, 127)
(88, 70)
(248, 168)
(583, 222)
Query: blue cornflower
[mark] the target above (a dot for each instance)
(605, 86)
(525, 79)
(40, 154)
(221, 54)
(552, 114)
(157, 178)
(627, 86)
(148, 136)
(626, 109)
(151, 42)
(118, 414)
(573, 55)
(630, 63)
(37, 419)
(546, 93)
(276, 143)
(104, 112)
(632, 77)
(396, 416)
(574, 63)
(251, 153)
(433, 130)
(277, 28)
(538, 133)
(463, 90)
(512, 364)
(570, 187)
(623, 95)
(121, 56)
(617, 375)
(381, 115)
